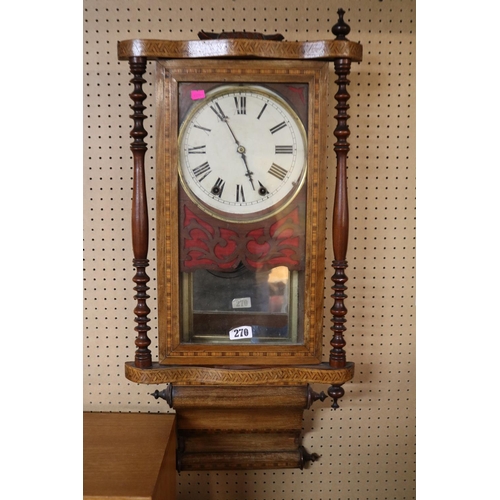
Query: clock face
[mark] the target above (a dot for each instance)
(242, 152)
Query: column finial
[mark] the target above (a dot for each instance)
(341, 29)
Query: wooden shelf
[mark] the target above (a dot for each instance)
(128, 455)
(242, 376)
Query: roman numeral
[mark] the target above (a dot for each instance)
(284, 150)
(197, 150)
(262, 111)
(218, 187)
(277, 127)
(240, 195)
(278, 171)
(241, 105)
(220, 114)
(202, 171)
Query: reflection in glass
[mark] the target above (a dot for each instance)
(214, 303)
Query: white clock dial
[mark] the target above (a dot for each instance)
(242, 152)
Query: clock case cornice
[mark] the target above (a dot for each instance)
(325, 50)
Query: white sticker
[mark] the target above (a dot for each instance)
(242, 332)
(241, 303)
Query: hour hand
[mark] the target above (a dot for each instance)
(249, 174)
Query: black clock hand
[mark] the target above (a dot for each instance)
(226, 121)
(249, 174)
(222, 116)
(241, 149)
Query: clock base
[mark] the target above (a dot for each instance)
(240, 428)
(245, 418)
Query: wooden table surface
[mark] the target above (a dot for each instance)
(129, 455)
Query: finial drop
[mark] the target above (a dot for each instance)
(166, 394)
(341, 29)
(335, 392)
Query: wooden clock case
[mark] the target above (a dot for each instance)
(239, 407)
(173, 205)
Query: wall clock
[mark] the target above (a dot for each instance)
(241, 188)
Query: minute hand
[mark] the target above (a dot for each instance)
(240, 149)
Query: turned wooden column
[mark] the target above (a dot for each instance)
(340, 230)
(140, 224)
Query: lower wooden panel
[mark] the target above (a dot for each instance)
(242, 460)
(238, 442)
(240, 397)
(235, 428)
(240, 419)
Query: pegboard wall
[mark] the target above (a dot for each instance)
(367, 447)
